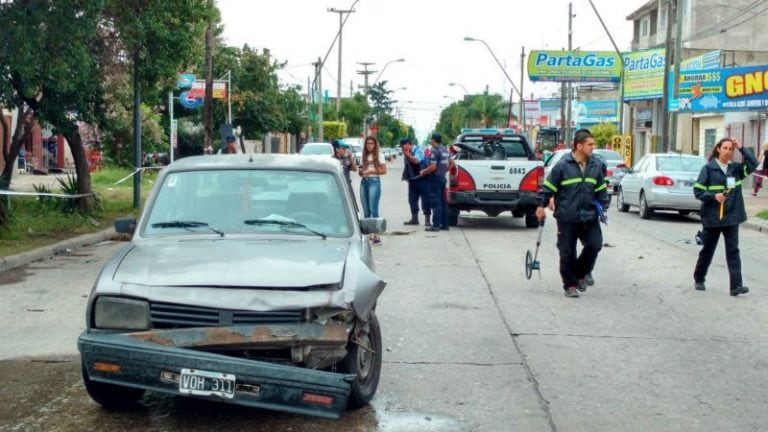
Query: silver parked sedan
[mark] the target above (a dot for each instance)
(661, 181)
(249, 280)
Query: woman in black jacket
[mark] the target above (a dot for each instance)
(722, 209)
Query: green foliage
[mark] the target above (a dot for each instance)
(354, 111)
(603, 133)
(334, 130)
(381, 101)
(489, 109)
(44, 200)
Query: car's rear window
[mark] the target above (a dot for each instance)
(610, 155)
(514, 147)
(679, 164)
(225, 199)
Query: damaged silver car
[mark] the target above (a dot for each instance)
(249, 280)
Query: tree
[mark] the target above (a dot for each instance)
(490, 109)
(354, 112)
(381, 102)
(603, 133)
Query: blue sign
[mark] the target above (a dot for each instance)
(189, 103)
(710, 60)
(599, 111)
(549, 105)
(185, 80)
(724, 89)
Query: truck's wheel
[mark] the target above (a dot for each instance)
(364, 360)
(111, 396)
(453, 215)
(531, 221)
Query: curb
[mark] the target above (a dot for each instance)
(756, 224)
(24, 258)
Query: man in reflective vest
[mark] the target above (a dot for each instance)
(577, 182)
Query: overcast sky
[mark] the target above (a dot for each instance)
(429, 35)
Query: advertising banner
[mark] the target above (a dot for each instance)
(549, 105)
(581, 66)
(644, 74)
(724, 89)
(198, 89)
(710, 60)
(599, 111)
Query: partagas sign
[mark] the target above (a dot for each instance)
(583, 66)
(644, 74)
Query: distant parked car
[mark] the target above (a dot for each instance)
(317, 148)
(661, 181)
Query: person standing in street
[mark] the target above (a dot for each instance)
(371, 168)
(722, 209)
(576, 183)
(414, 161)
(439, 163)
(758, 180)
(347, 161)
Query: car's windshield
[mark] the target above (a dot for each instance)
(226, 199)
(679, 164)
(316, 149)
(609, 155)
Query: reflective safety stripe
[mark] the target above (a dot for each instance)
(591, 180)
(548, 184)
(700, 186)
(738, 183)
(571, 181)
(717, 187)
(599, 188)
(746, 173)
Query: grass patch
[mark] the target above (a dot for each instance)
(763, 214)
(36, 223)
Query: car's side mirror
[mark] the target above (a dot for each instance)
(373, 225)
(125, 225)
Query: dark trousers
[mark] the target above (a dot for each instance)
(710, 236)
(418, 189)
(573, 268)
(437, 201)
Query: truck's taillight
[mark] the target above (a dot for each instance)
(533, 180)
(463, 182)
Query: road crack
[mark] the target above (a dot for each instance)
(543, 402)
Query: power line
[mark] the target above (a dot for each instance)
(718, 27)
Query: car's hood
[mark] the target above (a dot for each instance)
(234, 263)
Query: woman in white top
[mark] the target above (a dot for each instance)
(371, 167)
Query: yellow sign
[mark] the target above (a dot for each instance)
(628, 150)
(616, 142)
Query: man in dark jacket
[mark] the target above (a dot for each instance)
(722, 209)
(576, 182)
(414, 161)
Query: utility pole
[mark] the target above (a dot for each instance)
(319, 75)
(676, 79)
(522, 80)
(568, 111)
(208, 101)
(668, 58)
(365, 72)
(341, 13)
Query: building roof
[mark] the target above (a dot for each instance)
(643, 10)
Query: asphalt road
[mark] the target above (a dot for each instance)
(470, 344)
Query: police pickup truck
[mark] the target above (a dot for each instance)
(495, 170)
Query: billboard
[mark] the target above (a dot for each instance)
(724, 89)
(710, 60)
(597, 111)
(198, 89)
(644, 74)
(582, 66)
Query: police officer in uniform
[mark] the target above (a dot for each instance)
(347, 160)
(576, 182)
(439, 163)
(722, 209)
(418, 187)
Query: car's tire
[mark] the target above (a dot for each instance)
(621, 205)
(453, 215)
(111, 396)
(365, 363)
(645, 211)
(531, 221)
(683, 212)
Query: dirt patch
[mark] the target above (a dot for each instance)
(14, 276)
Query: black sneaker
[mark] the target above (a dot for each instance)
(589, 279)
(571, 292)
(582, 285)
(413, 221)
(432, 228)
(426, 222)
(739, 290)
(699, 286)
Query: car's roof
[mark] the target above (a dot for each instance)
(256, 161)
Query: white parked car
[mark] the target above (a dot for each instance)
(316, 148)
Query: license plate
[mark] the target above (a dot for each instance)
(206, 383)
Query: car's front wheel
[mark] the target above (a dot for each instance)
(364, 360)
(109, 395)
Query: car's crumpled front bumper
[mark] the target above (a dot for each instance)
(147, 361)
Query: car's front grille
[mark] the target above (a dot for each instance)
(169, 315)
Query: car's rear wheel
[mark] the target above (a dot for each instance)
(109, 395)
(453, 215)
(621, 205)
(364, 360)
(645, 211)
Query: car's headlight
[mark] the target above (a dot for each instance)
(117, 313)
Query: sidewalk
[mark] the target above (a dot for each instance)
(754, 205)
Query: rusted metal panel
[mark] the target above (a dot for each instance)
(287, 335)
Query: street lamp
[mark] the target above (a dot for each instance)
(385, 67)
(459, 85)
(520, 115)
